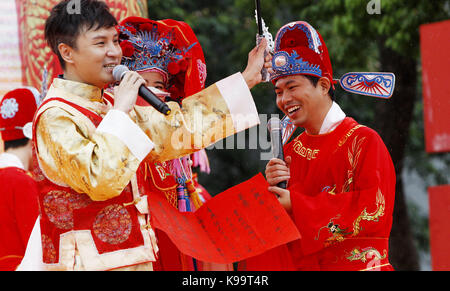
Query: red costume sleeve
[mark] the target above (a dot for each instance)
(355, 207)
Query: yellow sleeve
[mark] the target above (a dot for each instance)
(211, 115)
(71, 152)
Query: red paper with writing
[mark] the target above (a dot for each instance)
(241, 222)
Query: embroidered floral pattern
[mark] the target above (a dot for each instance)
(59, 206)
(35, 169)
(48, 250)
(9, 108)
(353, 157)
(113, 224)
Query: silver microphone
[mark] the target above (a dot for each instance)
(274, 126)
(120, 71)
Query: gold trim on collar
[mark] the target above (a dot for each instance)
(92, 93)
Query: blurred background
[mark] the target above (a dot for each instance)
(361, 35)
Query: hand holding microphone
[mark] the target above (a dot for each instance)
(277, 171)
(132, 85)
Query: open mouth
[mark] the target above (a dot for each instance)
(110, 67)
(293, 109)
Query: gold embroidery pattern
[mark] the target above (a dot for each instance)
(329, 189)
(381, 205)
(332, 191)
(339, 234)
(349, 134)
(305, 152)
(368, 253)
(353, 157)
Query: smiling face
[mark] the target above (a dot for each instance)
(92, 59)
(305, 104)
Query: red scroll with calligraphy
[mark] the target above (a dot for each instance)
(244, 221)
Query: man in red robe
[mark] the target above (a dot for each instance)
(341, 179)
(18, 190)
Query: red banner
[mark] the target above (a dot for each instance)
(434, 46)
(439, 197)
(244, 221)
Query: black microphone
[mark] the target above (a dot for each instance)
(118, 73)
(274, 126)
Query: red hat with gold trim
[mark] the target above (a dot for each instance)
(300, 50)
(17, 109)
(167, 46)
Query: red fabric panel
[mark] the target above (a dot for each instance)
(435, 45)
(439, 197)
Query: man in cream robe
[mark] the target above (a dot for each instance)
(90, 143)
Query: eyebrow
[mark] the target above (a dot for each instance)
(102, 36)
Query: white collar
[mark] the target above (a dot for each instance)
(333, 118)
(10, 160)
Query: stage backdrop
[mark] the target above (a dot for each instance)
(24, 54)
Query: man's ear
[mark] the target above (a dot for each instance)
(66, 52)
(324, 84)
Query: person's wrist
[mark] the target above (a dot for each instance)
(249, 79)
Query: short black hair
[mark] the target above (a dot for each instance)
(67, 19)
(314, 80)
(16, 143)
